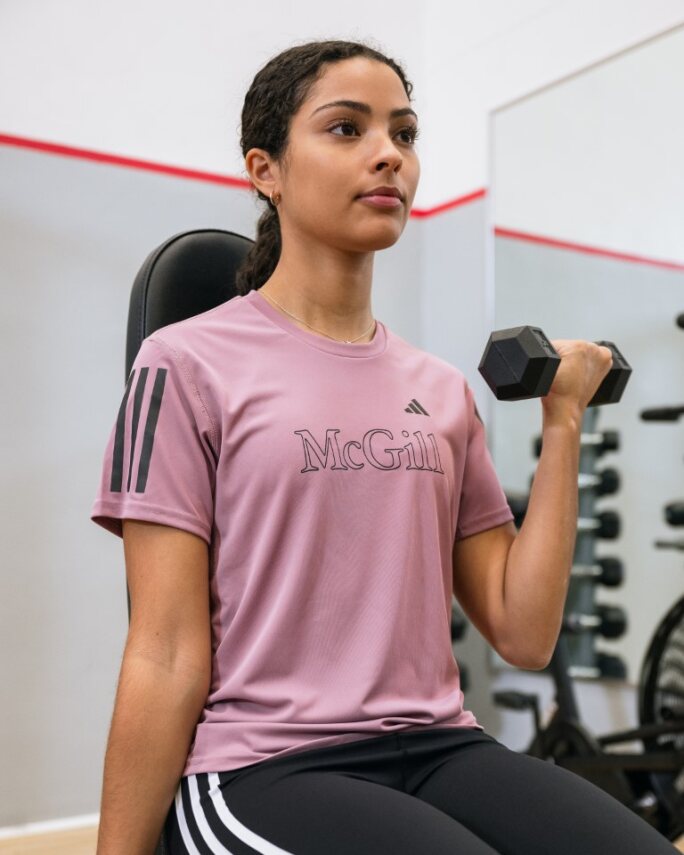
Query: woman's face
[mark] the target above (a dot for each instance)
(337, 153)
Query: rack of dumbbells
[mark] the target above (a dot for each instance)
(584, 619)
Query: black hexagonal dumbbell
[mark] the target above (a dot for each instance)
(520, 363)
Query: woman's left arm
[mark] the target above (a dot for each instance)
(540, 558)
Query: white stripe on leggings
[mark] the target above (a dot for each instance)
(233, 823)
(183, 825)
(205, 830)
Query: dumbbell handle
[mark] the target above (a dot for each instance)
(611, 389)
(584, 672)
(661, 414)
(669, 544)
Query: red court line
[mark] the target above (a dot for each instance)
(231, 181)
(119, 160)
(500, 231)
(182, 172)
(447, 206)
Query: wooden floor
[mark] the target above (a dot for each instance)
(75, 841)
(82, 841)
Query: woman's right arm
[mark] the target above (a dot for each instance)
(163, 684)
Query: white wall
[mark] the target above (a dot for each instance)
(598, 158)
(481, 55)
(164, 79)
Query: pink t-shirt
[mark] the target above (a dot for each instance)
(330, 481)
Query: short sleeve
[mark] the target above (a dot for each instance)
(483, 502)
(159, 463)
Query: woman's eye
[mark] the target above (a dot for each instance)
(410, 130)
(343, 125)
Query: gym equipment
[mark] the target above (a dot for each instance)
(661, 687)
(520, 363)
(606, 525)
(459, 624)
(674, 513)
(608, 621)
(464, 677)
(662, 414)
(640, 780)
(661, 701)
(611, 666)
(604, 483)
(608, 571)
(651, 783)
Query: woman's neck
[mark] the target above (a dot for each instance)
(350, 324)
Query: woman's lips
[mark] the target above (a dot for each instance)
(382, 201)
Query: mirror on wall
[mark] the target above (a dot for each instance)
(587, 218)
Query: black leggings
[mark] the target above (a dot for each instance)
(443, 791)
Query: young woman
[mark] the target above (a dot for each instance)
(300, 491)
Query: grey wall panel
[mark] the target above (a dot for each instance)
(455, 328)
(455, 322)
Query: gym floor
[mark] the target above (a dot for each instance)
(75, 841)
(82, 841)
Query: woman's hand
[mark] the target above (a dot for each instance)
(582, 369)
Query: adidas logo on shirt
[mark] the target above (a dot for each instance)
(415, 407)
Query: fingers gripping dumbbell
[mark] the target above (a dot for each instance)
(520, 363)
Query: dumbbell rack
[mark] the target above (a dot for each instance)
(584, 619)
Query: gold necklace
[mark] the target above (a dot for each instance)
(346, 341)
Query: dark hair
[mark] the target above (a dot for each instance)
(277, 92)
